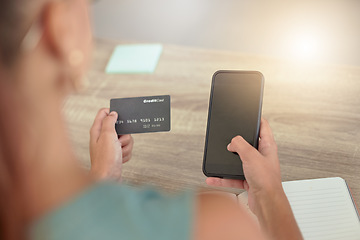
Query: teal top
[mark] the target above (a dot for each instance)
(109, 211)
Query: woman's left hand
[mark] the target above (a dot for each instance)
(108, 151)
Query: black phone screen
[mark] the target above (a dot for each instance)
(234, 109)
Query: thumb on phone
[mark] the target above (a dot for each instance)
(243, 148)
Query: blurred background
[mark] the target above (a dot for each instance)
(321, 31)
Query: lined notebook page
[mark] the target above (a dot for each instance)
(323, 209)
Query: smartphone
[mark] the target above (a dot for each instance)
(234, 109)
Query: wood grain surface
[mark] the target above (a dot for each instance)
(313, 109)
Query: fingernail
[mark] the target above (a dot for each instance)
(113, 113)
(228, 147)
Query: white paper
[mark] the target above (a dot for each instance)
(323, 209)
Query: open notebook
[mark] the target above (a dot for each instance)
(323, 208)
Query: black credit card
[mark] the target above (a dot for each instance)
(142, 114)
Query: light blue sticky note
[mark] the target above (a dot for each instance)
(134, 58)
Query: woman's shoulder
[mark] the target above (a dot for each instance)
(109, 210)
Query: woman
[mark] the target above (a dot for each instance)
(45, 194)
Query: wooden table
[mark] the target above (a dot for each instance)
(314, 111)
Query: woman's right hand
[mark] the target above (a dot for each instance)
(261, 168)
(266, 196)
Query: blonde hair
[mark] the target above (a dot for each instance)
(16, 17)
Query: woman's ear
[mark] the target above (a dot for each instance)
(62, 39)
(57, 29)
